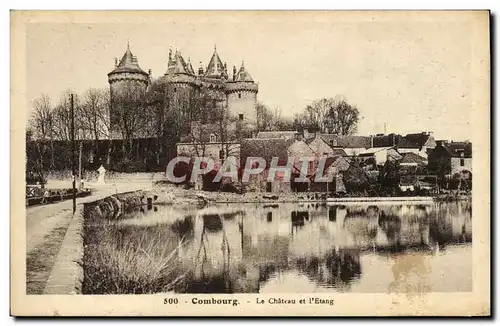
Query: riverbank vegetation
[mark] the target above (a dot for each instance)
(130, 259)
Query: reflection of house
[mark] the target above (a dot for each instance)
(449, 158)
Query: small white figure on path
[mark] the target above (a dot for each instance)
(100, 178)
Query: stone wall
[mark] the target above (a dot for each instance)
(456, 166)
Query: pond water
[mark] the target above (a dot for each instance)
(283, 248)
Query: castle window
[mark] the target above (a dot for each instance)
(175, 90)
(213, 138)
(239, 95)
(462, 162)
(221, 154)
(240, 116)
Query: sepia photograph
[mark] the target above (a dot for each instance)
(287, 160)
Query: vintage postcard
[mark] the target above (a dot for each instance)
(250, 163)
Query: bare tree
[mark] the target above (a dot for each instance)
(42, 118)
(130, 115)
(269, 120)
(94, 112)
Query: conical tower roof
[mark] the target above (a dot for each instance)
(190, 67)
(215, 67)
(243, 75)
(179, 66)
(128, 63)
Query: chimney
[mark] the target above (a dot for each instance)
(371, 141)
(116, 62)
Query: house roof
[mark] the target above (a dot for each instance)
(339, 152)
(336, 160)
(265, 148)
(276, 134)
(346, 141)
(384, 140)
(455, 149)
(128, 63)
(414, 140)
(373, 150)
(412, 158)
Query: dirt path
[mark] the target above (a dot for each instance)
(46, 227)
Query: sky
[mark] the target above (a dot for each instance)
(410, 74)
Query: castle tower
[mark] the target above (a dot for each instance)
(213, 84)
(216, 68)
(242, 96)
(127, 83)
(127, 75)
(180, 87)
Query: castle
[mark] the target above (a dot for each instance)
(180, 84)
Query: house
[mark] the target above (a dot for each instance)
(334, 168)
(351, 145)
(266, 149)
(377, 156)
(449, 158)
(418, 143)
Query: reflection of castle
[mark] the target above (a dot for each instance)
(247, 246)
(180, 85)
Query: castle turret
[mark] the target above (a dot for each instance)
(181, 84)
(242, 96)
(127, 75)
(215, 68)
(127, 84)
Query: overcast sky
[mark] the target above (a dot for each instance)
(414, 75)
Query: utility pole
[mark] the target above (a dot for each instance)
(80, 165)
(73, 150)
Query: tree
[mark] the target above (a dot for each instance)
(94, 113)
(390, 176)
(271, 120)
(328, 115)
(42, 118)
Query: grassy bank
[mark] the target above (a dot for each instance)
(127, 259)
(39, 261)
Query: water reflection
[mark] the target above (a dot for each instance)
(287, 247)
